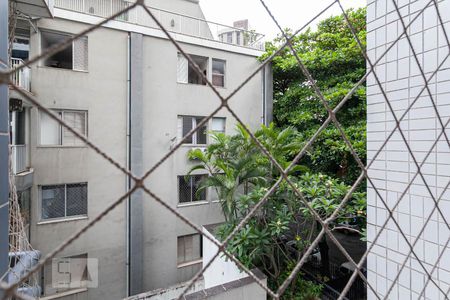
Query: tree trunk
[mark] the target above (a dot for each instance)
(324, 257)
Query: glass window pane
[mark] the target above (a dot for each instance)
(77, 121)
(218, 124)
(187, 126)
(201, 132)
(218, 66)
(196, 247)
(182, 69)
(198, 195)
(218, 80)
(218, 72)
(184, 189)
(50, 132)
(76, 199)
(202, 63)
(53, 204)
(188, 248)
(229, 37)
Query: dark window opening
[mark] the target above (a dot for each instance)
(188, 188)
(62, 59)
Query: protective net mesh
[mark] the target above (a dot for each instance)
(373, 77)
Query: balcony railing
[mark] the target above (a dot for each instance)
(21, 77)
(174, 22)
(19, 158)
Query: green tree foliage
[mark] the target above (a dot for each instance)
(277, 236)
(241, 175)
(334, 59)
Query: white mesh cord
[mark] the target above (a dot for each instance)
(80, 54)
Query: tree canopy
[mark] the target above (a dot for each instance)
(334, 60)
(278, 234)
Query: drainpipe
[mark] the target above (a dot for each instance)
(4, 143)
(128, 179)
(135, 159)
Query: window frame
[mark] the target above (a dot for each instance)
(218, 74)
(61, 128)
(195, 134)
(194, 261)
(207, 68)
(191, 186)
(66, 35)
(66, 217)
(224, 119)
(229, 37)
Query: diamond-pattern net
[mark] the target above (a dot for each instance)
(332, 119)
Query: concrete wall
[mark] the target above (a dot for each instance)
(222, 269)
(164, 100)
(102, 90)
(394, 168)
(244, 288)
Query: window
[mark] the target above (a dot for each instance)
(21, 47)
(229, 37)
(188, 188)
(73, 57)
(53, 133)
(238, 38)
(65, 200)
(218, 72)
(186, 72)
(189, 249)
(186, 124)
(218, 125)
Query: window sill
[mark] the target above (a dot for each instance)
(61, 146)
(196, 84)
(194, 145)
(190, 263)
(63, 69)
(64, 294)
(192, 84)
(195, 203)
(61, 220)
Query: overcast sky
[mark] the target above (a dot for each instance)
(290, 13)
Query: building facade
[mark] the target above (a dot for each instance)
(400, 74)
(127, 88)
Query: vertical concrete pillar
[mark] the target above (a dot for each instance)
(267, 80)
(136, 156)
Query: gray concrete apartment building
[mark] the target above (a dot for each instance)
(127, 88)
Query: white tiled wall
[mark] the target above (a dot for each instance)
(394, 168)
